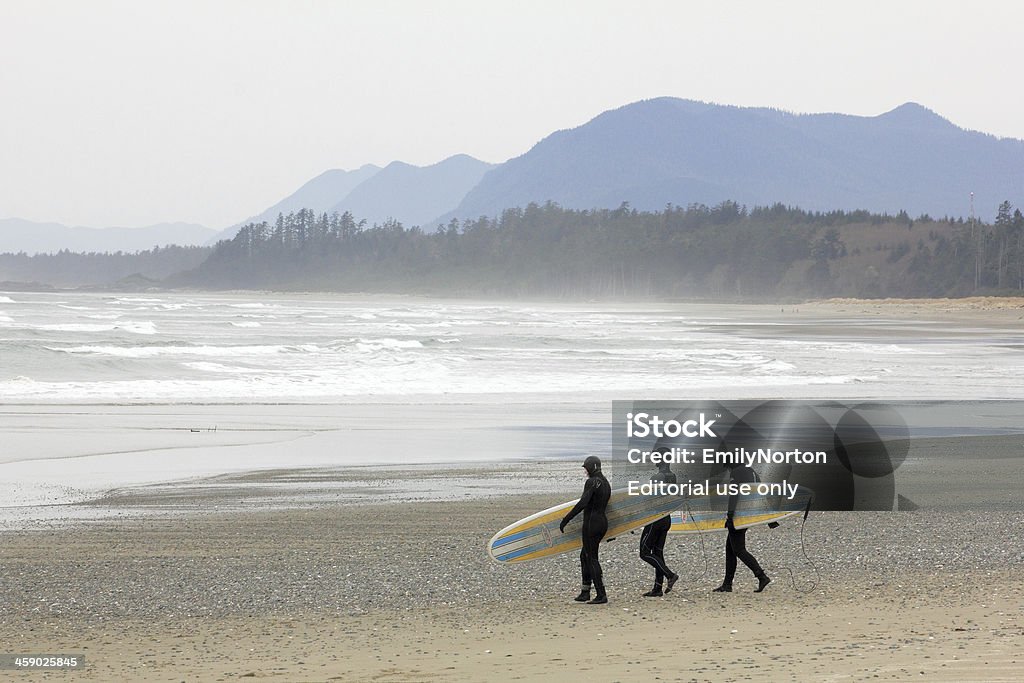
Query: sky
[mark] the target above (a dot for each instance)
(140, 112)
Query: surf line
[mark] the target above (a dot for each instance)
(702, 488)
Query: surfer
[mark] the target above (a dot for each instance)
(736, 541)
(596, 492)
(652, 541)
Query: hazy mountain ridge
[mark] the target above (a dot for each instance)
(668, 150)
(320, 194)
(19, 235)
(414, 195)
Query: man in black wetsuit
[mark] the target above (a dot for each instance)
(736, 541)
(652, 541)
(596, 492)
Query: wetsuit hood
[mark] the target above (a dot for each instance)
(592, 465)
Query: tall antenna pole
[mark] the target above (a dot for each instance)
(977, 248)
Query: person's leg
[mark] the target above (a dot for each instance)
(739, 544)
(592, 544)
(649, 555)
(730, 565)
(658, 539)
(585, 570)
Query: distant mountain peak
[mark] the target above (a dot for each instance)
(914, 114)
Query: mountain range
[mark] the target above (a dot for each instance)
(412, 195)
(657, 152)
(674, 151)
(668, 150)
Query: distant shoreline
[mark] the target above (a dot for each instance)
(957, 304)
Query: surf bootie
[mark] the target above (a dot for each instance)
(724, 588)
(654, 592)
(671, 582)
(762, 583)
(584, 595)
(600, 599)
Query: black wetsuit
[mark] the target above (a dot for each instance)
(596, 492)
(736, 541)
(653, 537)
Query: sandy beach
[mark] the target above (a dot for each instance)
(405, 592)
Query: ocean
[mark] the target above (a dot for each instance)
(72, 348)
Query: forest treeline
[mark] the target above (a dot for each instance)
(724, 251)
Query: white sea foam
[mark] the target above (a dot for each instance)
(76, 327)
(146, 327)
(135, 300)
(204, 366)
(141, 327)
(246, 323)
(386, 344)
(181, 350)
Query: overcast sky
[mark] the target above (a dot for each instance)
(133, 113)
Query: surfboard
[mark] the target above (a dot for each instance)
(537, 536)
(698, 516)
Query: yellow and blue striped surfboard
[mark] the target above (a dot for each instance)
(537, 536)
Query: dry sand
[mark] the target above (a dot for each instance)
(985, 310)
(404, 592)
(990, 306)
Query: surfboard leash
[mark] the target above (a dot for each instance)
(692, 585)
(803, 550)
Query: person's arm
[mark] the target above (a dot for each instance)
(588, 492)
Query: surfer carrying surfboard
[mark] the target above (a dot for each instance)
(736, 541)
(596, 492)
(652, 541)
